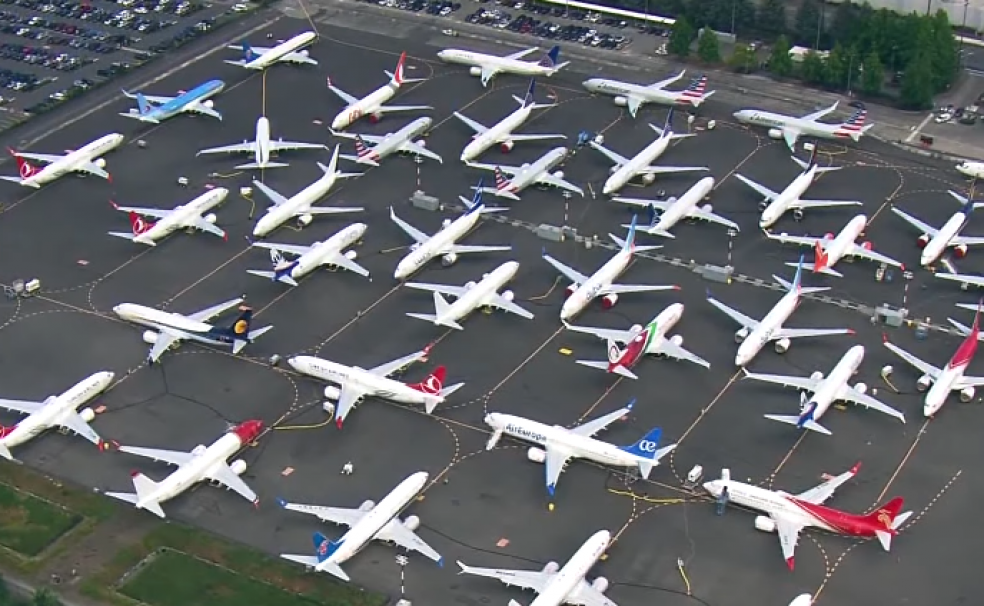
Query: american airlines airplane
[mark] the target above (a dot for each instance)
(156, 109)
(641, 164)
(634, 96)
(170, 328)
(831, 248)
(328, 253)
(558, 585)
(502, 132)
(186, 216)
(61, 411)
(521, 177)
(369, 521)
(665, 214)
(826, 391)
(203, 463)
(974, 170)
(373, 104)
(371, 149)
(787, 515)
(488, 66)
(791, 128)
(262, 147)
(585, 289)
(934, 242)
(471, 296)
(288, 51)
(87, 160)
(639, 341)
(753, 335)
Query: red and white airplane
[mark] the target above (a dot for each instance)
(788, 514)
(831, 248)
(201, 464)
(191, 215)
(87, 160)
(373, 104)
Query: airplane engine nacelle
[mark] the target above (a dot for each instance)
(351, 255)
(209, 104)
(764, 204)
(609, 301)
(421, 142)
(648, 178)
(507, 146)
(611, 171)
(87, 414)
(332, 393)
(960, 251)
(551, 568)
(967, 394)
(100, 162)
(305, 220)
(475, 71)
(470, 285)
(707, 208)
(509, 296)
(782, 345)
(445, 223)
(149, 337)
(210, 218)
(414, 246)
(677, 340)
(367, 505)
(861, 388)
(922, 241)
(775, 133)
(621, 101)
(798, 214)
(536, 455)
(828, 236)
(238, 467)
(197, 450)
(765, 524)
(449, 259)
(600, 584)
(411, 523)
(867, 245)
(636, 329)
(816, 376)
(570, 290)
(741, 335)
(559, 174)
(924, 382)
(304, 53)
(375, 117)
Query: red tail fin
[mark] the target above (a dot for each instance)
(820, 258)
(398, 72)
(433, 384)
(23, 166)
(6, 431)
(885, 516)
(138, 224)
(500, 179)
(361, 149)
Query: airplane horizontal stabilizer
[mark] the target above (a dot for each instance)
(12, 179)
(433, 320)
(795, 420)
(502, 193)
(652, 231)
(140, 117)
(5, 453)
(236, 62)
(271, 275)
(812, 267)
(128, 235)
(255, 166)
(805, 290)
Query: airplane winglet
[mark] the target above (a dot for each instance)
(281, 502)
(631, 403)
(857, 467)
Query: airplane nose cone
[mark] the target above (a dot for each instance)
(490, 419)
(742, 358)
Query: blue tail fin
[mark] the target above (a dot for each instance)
(248, 53)
(630, 238)
(813, 158)
(647, 446)
(323, 548)
(668, 125)
(528, 99)
(476, 201)
(238, 330)
(551, 57)
(651, 215)
(798, 278)
(809, 410)
(143, 105)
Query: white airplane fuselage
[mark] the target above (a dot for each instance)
(770, 324)
(437, 245)
(295, 205)
(55, 408)
(394, 142)
(623, 90)
(586, 293)
(636, 164)
(562, 585)
(942, 388)
(476, 296)
(829, 388)
(366, 106)
(158, 319)
(681, 208)
(767, 501)
(500, 64)
(664, 321)
(206, 460)
(181, 216)
(341, 374)
(532, 172)
(498, 133)
(938, 244)
(974, 170)
(807, 128)
(262, 141)
(792, 194)
(556, 436)
(281, 50)
(88, 153)
(320, 251)
(844, 240)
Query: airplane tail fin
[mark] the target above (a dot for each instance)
(528, 98)
(440, 308)
(855, 126)
(501, 182)
(248, 53)
(668, 124)
(550, 59)
(628, 244)
(433, 388)
(143, 486)
(324, 547)
(820, 258)
(24, 168)
(647, 449)
(697, 92)
(890, 518)
(398, 77)
(238, 332)
(139, 225)
(362, 150)
(615, 352)
(805, 419)
(143, 105)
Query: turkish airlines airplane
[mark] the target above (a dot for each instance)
(186, 216)
(203, 463)
(826, 391)
(787, 514)
(664, 215)
(471, 296)
(373, 104)
(791, 128)
(935, 242)
(87, 160)
(753, 335)
(355, 383)
(168, 329)
(640, 340)
(830, 249)
(262, 148)
(61, 411)
(488, 66)
(556, 445)
(558, 585)
(156, 109)
(288, 51)
(521, 177)
(585, 289)
(634, 96)
(329, 253)
(974, 170)
(370, 149)
(370, 521)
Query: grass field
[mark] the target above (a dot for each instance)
(28, 525)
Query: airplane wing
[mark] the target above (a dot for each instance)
(664, 83)
(547, 178)
(586, 595)
(412, 147)
(570, 273)
(171, 457)
(660, 205)
(819, 494)
(512, 171)
(621, 289)
(743, 320)
(297, 57)
(605, 334)
(472, 124)
(871, 255)
(617, 159)
(462, 249)
(396, 532)
(764, 191)
(349, 397)
(923, 227)
(923, 367)
(201, 224)
(522, 53)
(385, 370)
(201, 108)
(705, 215)
(556, 459)
(23, 406)
(969, 382)
(224, 475)
(281, 145)
(46, 158)
(367, 138)
(850, 394)
(155, 99)
(963, 278)
(387, 109)
(276, 199)
(74, 422)
(156, 213)
(799, 333)
(248, 147)
(966, 240)
(165, 339)
(343, 516)
(290, 249)
(590, 428)
(454, 291)
(806, 204)
(418, 236)
(671, 350)
(527, 579)
(798, 240)
(210, 312)
(788, 531)
(344, 96)
(819, 114)
(499, 302)
(666, 170)
(803, 383)
(259, 50)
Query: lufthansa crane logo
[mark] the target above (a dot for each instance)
(884, 518)
(648, 446)
(240, 327)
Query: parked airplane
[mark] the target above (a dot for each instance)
(262, 148)
(370, 149)
(584, 289)
(664, 215)
(288, 51)
(156, 109)
(965, 280)
(558, 585)
(935, 242)
(444, 243)
(87, 160)
(974, 170)
(379, 521)
(502, 132)
(488, 66)
(788, 514)
(170, 328)
(521, 177)
(641, 164)
(186, 216)
(373, 104)
(203, 463)
(356, 383)
(639, 341)
(791, 128)
(59, 411)
(831, 248)
(471, 296)
(330, 252)
(775, 205)
(301, 204)
(634, 96)
(753, 334)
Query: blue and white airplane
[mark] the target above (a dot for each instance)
(156, 109)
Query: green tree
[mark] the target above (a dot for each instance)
(945, 57)
(708, 46)
(780, 63)
(917, 83)
(743, 59)
(681, 38)
(835, 68)
(808, 23)
(812, 69)
(873, 75)
(771, 18)
(45, 597)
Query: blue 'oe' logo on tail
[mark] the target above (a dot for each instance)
(648, 446)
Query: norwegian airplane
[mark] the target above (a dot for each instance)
(521, 177)
(830, 249)
(641, 164)
(168, 329)
(87, 160)
(585, 289)
(444, 243)
(488, 66)
(356, 383)
(501, 133)
(664, 215)
(185, 216)
(262, 148)
(288, 51)
(471, 296)
(939, 382)
(753, 335)
(775, 205)
(329, 253)
(640, 340)
(787, 514)
(156, 109)
(61, 411)
(370, 149)
(791, 128)
(634, 96)
(826, 391)
(370, 521)
(203, 463)
(934, 242)
(373, 104)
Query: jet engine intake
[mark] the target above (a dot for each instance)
(537, 455)
(507, 146)
(509, 296)
(551, 568)
(367, 505)
(411, 523)
(558, 174)
(609, 300)
(571, 289)
(648, 178)
(967, 394)
(600, 584)
(475, 71)
(333, 393)
(209, 103)
(861, 388)
(445, 223)
(305, 220)
(449, 259)
(470, 285)
(197, 450)
(924, 382)
(765, 524)
(100, 162)
(960, 250)
(621, 101)
(351, 255)
(636, 329)
(87, 414)
(149, 337)
(782, 345)
(238, 467)
(210, 218)
(798, 214)
(816, 376)
(375, 117)
(775, 133)
(922, 241)
(677, 340)
(741, 334)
